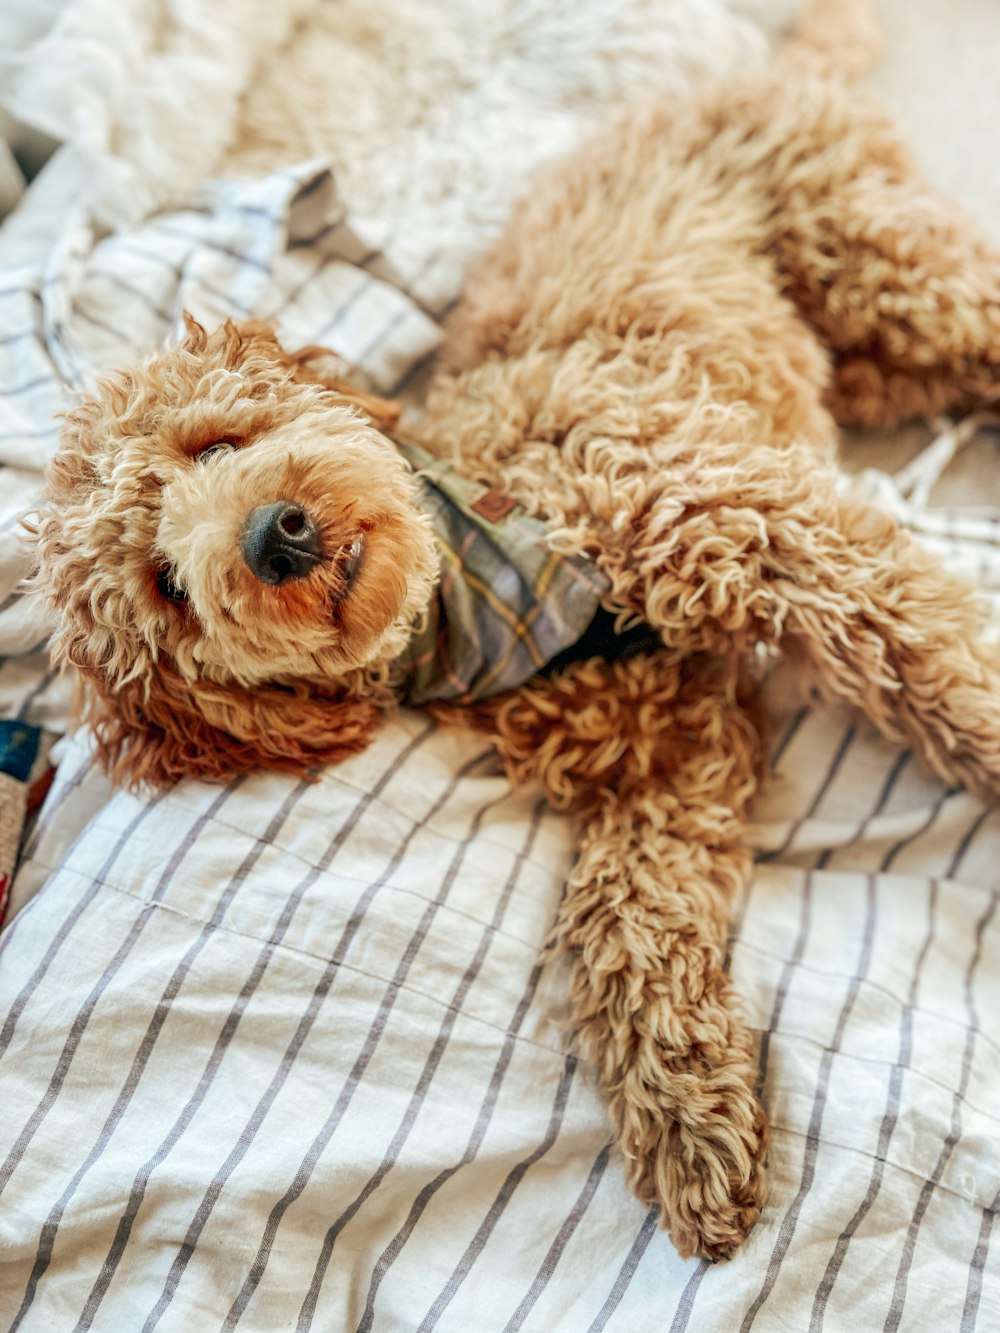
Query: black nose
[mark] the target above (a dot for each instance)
(280, 542)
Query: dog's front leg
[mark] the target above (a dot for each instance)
(659, 760)
(645, 914)
(757, 544)
(881, 626)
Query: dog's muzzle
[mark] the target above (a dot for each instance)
(280, 542)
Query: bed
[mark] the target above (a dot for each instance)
(290, 1055)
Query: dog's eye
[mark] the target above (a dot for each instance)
(168, 588)
(216, 447)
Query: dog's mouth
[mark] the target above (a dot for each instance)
(346, 567)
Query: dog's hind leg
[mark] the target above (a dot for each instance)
(660, 761)
(934, 343)
(894, 279)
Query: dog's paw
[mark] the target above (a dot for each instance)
(723, 1191)
(704, 1167)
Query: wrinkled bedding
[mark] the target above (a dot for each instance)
(283, 1055)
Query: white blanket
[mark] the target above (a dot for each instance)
(284, 1056)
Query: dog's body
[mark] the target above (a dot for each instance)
(644, 363)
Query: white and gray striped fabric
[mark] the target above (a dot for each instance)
(286, 1056)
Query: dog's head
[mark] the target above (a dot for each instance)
(233, 551)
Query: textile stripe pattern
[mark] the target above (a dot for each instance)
(299, 1043)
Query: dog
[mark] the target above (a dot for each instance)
(652, 363)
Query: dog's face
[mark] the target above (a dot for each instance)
(221, 532)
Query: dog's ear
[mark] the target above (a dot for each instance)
(233, 344)
(152, 732)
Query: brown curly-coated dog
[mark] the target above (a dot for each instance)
(653, 361)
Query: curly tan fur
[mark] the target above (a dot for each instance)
(652, 360)
(659, 760)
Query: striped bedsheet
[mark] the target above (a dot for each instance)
(288, 1056)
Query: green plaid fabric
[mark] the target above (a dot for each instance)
(506, 604)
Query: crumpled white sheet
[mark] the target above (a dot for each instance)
(431, 115)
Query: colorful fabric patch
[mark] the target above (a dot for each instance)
(23, 752)
(19, 744)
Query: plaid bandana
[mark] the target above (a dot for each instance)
(506, 603)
